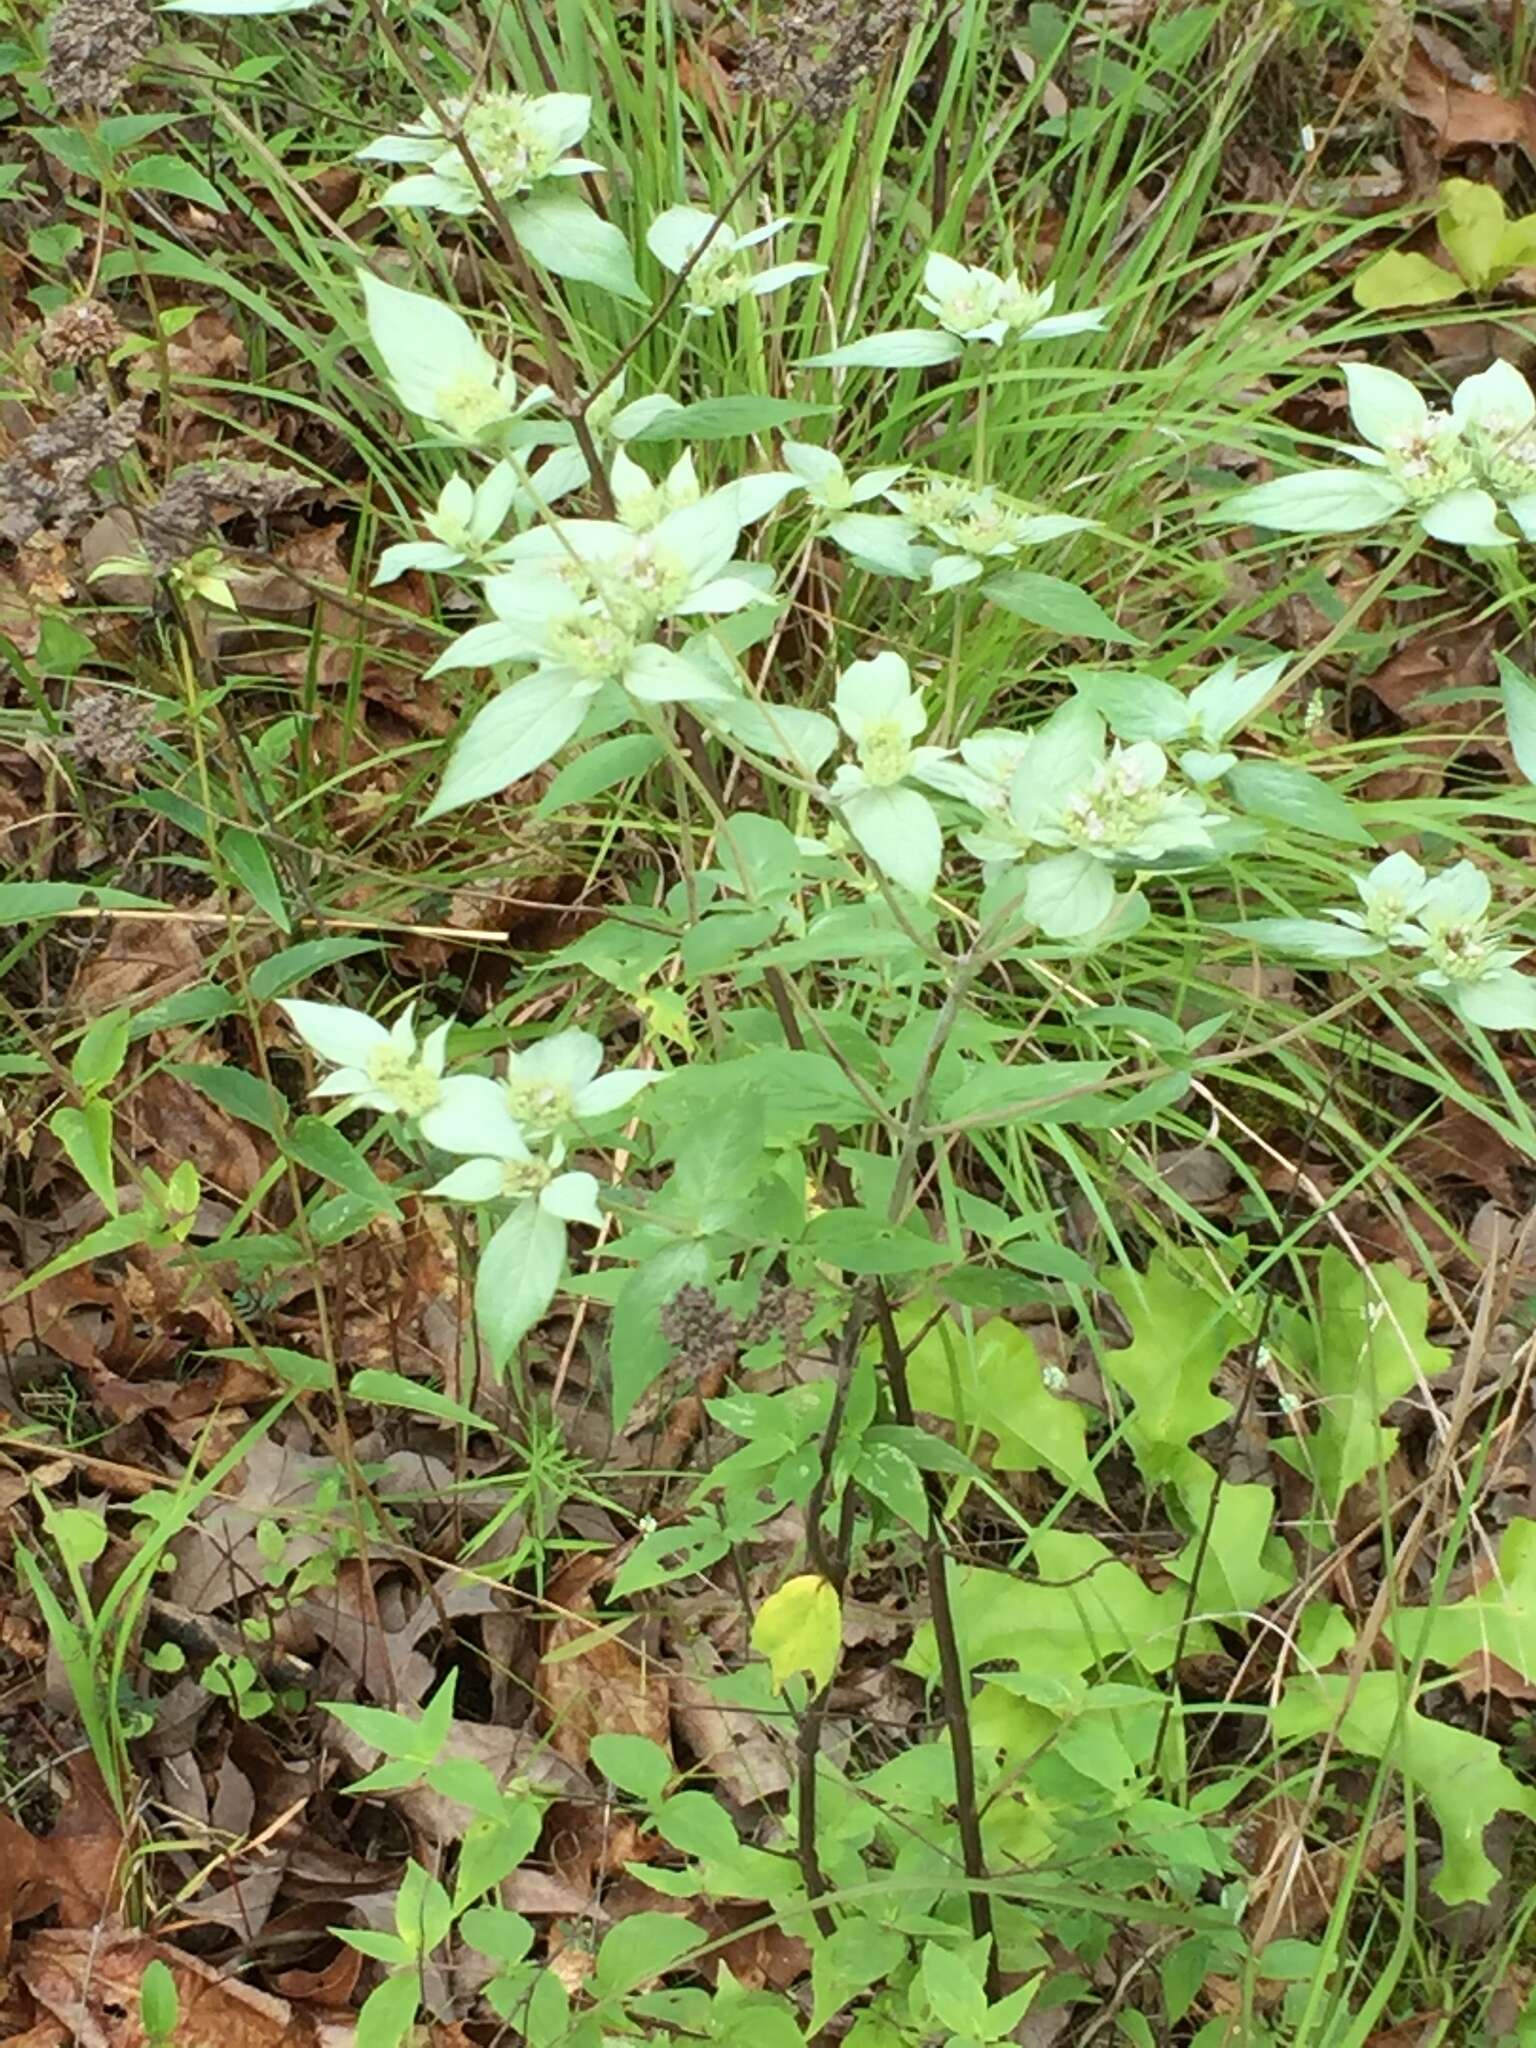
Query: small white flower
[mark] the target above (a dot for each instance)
(828, 484)
(438, 367)
(549, 1087)
(1391, 896)
(379, 1068)
(725, 271)
(977, 305)
(641, 504)
(505, 1170)
(517, 141)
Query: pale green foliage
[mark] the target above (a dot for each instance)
(1477, 234)
(1459, 1775)
(1498, 1620)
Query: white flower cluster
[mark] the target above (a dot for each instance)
(516, 139)
(1454, 469)
(1063, 789)
(1444, 919)
(510, 1134)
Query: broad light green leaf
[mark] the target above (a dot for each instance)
(800, 1628)
(1059, 606)
(900, 832)
(862, 1241)
(990, 1379)
(1519, 695)
(1180, 1338)
(1068, 895)
(99, 1056)
(86, 1135)
(164, 173)
(635, 1764)
(1472, 224)
(1364, 1345)
(1290, 796)
(518, 1273)
(642, 1945)
(394, 1390)
(1315, 501)
(1404, 279)
(1500, 1617)
(1502, 1001)
(639, 1351)
(1310, 938)
(906, 348)
(1134, 706)
(1074, 1606)
(251, 864)
(506, 740)
(563, 234)
(610, 762)
(285, 970)
(1461, 1776)
(1247, 1563)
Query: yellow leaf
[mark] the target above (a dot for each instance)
(1472, 223)
(800, 1628)
(1403, 280)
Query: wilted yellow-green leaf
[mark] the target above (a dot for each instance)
(1399, 280)
(800, 1628)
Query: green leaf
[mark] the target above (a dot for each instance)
(601, 768)
(899, 831)
(860, 1952)
(991, 1379)
(285, 970)
(1069, 895)
(954, 1992)
(1179, 1340)
(86, 1135)
(1461, 1776)
(1472, 223)
(1246, 1563)
(642, 1945)
(1084, 1608)
(244, 1095)
(563, 234)
(1315, 501)
(322, 1148)
(1519, 695)
(99, 1056)
(252, 867)
(636, 1765)
(639, 1352)
(1290, 796)
(518, 1273)
(863, 1241)
(1503, 1000)
(297, 1368)
(1135, 706)
(394, 1390)
(905, 348)
(1500, 1617)
(1362, 1347)
(507, 739)
(800, 1628)
(165, 173)
(1061, 607)
(159, 2006)
(1311, 938)
(890, 1475)
(721, 419)
(389, 2011)
(1399, 279)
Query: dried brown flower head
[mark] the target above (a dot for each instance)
(814, 54)
(93, 45)
(700, 1329)
(108, 732)
(45, 484)
(80, 333)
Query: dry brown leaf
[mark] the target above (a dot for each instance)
(76, 1869)
(144, 960)
(589, 1681)
(169, 1120)
(89, 1979)
(1462, 114)
(507, 1753)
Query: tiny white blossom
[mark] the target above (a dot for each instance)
(549, 1087)
(725, 272)
(505, 1169)
(975, 304)
(378, 1067)
(517, 141)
